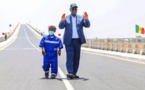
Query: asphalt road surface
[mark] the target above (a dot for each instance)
(21, 69)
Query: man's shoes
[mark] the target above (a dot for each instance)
(46, 75)
(53, 76)
(75, 76)
(70, 76)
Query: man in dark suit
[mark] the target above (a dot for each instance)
(73, 38)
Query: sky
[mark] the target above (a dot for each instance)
(109, 18)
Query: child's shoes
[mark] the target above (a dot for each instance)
(46, 75)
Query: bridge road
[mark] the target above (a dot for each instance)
(20, 66)
(20, 69)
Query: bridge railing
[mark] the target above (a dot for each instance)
(9, 35)
(124, 45)
(40, 33)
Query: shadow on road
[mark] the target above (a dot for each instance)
(60, 79)
(83, 79)
(44, 78)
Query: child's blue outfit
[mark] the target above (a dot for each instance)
(51, 45)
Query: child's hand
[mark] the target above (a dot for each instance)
(59, 52)
(43, 52)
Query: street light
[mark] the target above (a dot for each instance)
(10, 27)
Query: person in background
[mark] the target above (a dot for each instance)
(6, 36)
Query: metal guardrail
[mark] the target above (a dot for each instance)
(124, 45)
(2, 39)
(40, 33)
(9, 35)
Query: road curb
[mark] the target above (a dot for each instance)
(116, 54)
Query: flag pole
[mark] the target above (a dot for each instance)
(135, 31)
(135, 34)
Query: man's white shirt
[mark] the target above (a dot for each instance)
(74, 28)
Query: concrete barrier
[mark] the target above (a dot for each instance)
(126, 47)
(115, 48)
(121, 47)
(3, 39)
(11, 38)
(142, 49)
(134, 48)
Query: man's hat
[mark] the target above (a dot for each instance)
(73, 5)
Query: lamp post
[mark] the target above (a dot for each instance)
(10, 27)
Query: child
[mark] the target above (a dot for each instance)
(49, 45)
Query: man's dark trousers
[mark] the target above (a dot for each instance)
(73, 56)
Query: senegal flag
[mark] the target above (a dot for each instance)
(139, 29)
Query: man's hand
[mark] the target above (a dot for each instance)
(63, 18)
(59, 52)
(43, 52)
(85, 16)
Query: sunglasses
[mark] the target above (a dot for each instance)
(74, 9)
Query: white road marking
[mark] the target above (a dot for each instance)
(122, 59)
(66, 82)
(31, 42)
